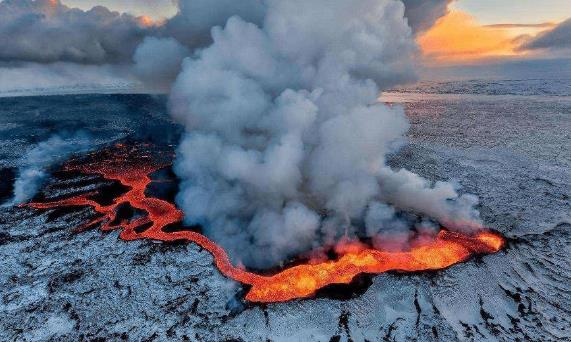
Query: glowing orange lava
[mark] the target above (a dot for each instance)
(301, 281)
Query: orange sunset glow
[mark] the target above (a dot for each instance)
(459, 37)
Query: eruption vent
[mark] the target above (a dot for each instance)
(131, 166)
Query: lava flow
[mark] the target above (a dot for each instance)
(132, 166)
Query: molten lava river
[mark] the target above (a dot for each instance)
(132, 167)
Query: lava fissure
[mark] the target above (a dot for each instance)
(301, 281)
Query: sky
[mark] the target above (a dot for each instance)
(515, 11)
(48, 42)
(474, 31)
(153, 8)
(480, 31)
(484, 11)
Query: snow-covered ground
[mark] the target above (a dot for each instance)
(514, 153)
(32, 79)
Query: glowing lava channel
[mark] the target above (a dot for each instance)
(132, 169)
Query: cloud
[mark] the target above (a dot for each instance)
(555, 39)
(34, 32)
(153, 8)
(511, 25)
(458, 37)
(422, 14)
(46, 31)
(49, 32)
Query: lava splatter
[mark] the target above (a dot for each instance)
(132, 167)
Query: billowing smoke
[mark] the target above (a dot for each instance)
(35, 164)
(195, 18)
(286, 141)
(158, 61)
(191, 29)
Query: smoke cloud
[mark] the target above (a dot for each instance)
(286, 141)
(34, 165)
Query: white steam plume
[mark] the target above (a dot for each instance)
(191, 28)
(195, 18)
(158, 62)
(34, 165)
(286, 141)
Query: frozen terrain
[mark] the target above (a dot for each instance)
(512, 148)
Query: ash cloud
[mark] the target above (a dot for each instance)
(35, 164)
(286, 141)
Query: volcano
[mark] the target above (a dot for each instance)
(131, 166)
